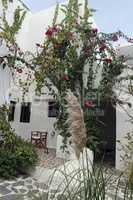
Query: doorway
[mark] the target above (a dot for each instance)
(107, 146)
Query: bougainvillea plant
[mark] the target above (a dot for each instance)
(74, 50)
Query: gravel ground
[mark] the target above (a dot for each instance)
(49, 160)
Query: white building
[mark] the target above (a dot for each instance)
(5, 74)
(123, 123)
(32, 32)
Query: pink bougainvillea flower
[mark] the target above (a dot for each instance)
(107, 60)
(89, 104)
(102, 47)
(49, 32)
(94, 31)
(115, 38)
(19, 71)
(55, 29)
(66, 77)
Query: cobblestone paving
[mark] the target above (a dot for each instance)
(25, 188)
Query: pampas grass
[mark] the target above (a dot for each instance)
(76, 123)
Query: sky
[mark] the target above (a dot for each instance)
(111, 15)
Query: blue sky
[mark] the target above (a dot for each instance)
(111, 15)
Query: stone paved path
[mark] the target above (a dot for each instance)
(27, 188)
(22, 189)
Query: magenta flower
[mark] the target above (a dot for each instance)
(50, 32)
(107, 60)
(89, 104)
(115, 38)
(66, 77)
(102, 48)
(19, 71)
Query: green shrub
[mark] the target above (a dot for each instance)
(8, 164)
(17, 156)
(18, 161)
(26, 155)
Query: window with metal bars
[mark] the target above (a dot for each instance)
(11, 111)
(53, 109)
(25, 112)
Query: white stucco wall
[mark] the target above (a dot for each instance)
(4, 85)
(37, 24)
(5, 75)
(123, 124)
(38, 121)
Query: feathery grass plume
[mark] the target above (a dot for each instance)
(76, 123)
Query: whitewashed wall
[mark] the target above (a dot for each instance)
(123, 125)
(4, 85)
(5, 76)
(37, 24)
(38, 121)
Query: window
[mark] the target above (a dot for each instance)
(25, 112)
(53, 109)
(11, 111)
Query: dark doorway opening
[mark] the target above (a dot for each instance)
(107, 147)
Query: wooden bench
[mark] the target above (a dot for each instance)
(39, 139)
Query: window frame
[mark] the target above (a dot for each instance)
(12, 108)
(25, 117)
(53, 109)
